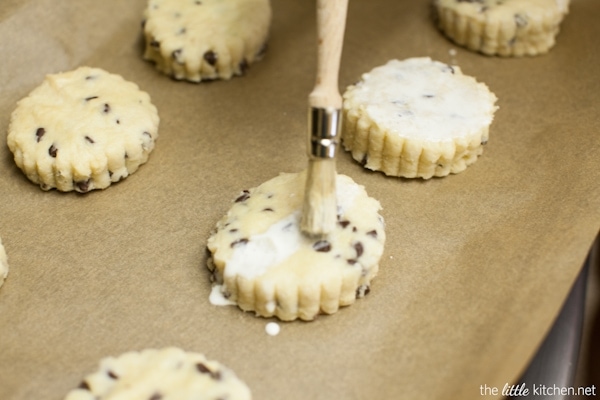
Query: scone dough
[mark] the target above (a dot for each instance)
(82, 130)
(263, 263)
(3, 264)
(510, 28)
(205, 39)
(417, 118)
(169, 373)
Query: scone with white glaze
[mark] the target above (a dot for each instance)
(155, 374)
(82, 130)
(509, 28)
(199, 40)
(261, 262)
(3, 264)
(417, 118)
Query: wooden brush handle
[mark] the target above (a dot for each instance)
(331, 23)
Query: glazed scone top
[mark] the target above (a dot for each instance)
(419, 97)
(284, 238)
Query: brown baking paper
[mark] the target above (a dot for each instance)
(476, 265)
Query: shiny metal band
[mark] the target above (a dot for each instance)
(324, 125)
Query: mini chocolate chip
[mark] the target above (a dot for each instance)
(91, 98)
(39, 134)
(354, 229)
(177, 55)
(154, 43)
(351, 261)
(156, 396)
(372, 233)
(204, 370)
(89, 139)
(118, 121)
(234, 230)
(210, 57)
(359, 249)
(52, 151)
(90, 77)
(84, 385)
(243, 197)
(440, 165)
(106, 108)
(268, 209)
(344, 223)
(244, 66)
(112, 375)
(239, 242)
(197, 2)
(322, 246)
(83, 186)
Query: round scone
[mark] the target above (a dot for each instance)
(3, 264)
(152, 374)
(417, 118)
(82, 130)
(509, 28)
(200, 40)
(263, 263)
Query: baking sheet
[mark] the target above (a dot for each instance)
(476, 265)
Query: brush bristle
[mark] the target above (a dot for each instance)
(319, 211)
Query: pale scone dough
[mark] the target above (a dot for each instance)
(200, 40)
(263, 263)
(417, 118)
(82, 130)
(510, 28)
(160, 374)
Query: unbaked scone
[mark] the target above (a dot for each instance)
(263, 263)
(510, 28)
(152, 374)
(82, 130)
(3, 264)
(200, 40)
(417, 118)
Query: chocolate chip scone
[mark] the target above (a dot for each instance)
(3, 264)
(263, 263)
(509, 28)
(200, 40)
(169, 373)
(82, 130)
(417, 118)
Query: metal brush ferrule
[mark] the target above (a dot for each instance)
(324, 125)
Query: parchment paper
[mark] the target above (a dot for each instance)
(476, 265)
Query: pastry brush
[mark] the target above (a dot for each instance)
(319, 210)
